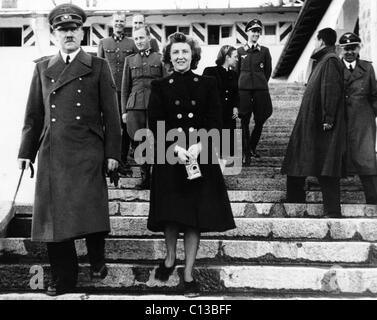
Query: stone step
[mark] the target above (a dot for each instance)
(334, 281)
(20, 250)
(241, 209)
(300, 229)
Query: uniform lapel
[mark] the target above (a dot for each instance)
(79, 67)
(358, 72)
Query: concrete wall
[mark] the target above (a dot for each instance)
(368, 29)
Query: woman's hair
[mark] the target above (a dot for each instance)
(146, 28)
(179, 37)
(224, 51)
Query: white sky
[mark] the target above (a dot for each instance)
(145, 4)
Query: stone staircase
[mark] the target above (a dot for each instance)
(277, 250)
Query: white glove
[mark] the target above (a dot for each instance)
(195, 149)
(183, 154)
(26, 161)
(124, 117)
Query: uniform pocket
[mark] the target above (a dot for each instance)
(155, 70)
(135, 71)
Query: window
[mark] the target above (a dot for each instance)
(270, 30)
(219, 34)
(171, 29)
(10, 37)
(9, 4)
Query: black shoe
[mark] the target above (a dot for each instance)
(163, 273)
(99, 274)
(254, 154)
(246, 161)
(191, 289)
(55, 289)
(333, 215)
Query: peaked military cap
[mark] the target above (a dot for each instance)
(349, 38)
(66, 15)
(253, 24)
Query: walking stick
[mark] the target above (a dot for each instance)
(20, 179)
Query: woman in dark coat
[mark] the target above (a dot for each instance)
(227, 83)
(185, 102)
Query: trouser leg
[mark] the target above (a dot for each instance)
(330, 187)
(125, 137)
(256, 134)
(245, 122)
(370, 188)
(295, 189)
(95, 244)
(63, 261)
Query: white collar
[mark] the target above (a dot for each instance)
(72, 55)
(348, 64)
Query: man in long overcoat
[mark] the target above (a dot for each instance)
(361, 109)
(254, 71)
(115, 49)
(72, 122)
(317, 145)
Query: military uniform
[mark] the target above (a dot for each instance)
(115, 49)
(139, 70)
(186, 102)
(254, 70)
(72, 122)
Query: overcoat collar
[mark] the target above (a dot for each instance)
(189, 79)
(63, 74)
(359, 71)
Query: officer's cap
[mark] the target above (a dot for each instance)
(349, 38)
(254, 24)
(66, 15)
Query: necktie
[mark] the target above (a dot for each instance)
(68, 59)
(350, 68)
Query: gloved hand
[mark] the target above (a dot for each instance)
(195, 149)
(183, 154)
(114, 177)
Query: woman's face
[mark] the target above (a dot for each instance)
(233, 59)
(181, 56)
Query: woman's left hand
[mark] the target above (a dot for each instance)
(195, 149)
(235, 113)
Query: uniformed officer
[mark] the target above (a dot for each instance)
(254, 71)
(72, 122)
(361, 108)
(115, 49)
(138, 21)
(139, 70)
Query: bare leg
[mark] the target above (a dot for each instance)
(192, 238)
(171, 236)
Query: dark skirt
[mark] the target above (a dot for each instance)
(202, 203)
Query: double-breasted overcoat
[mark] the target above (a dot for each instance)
(312, 151)
(72, 122)
(185, 103)
(361, 108)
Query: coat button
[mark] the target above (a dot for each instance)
(226, 91)
(193, 102)
(52, 80)
(78, 118)
(190, 115)
(80, 79)
(226, 99)
(54, 92)
(53, 120)
(177, 102)
(171, 81)
(196, 79)
(79, 91)
(53, 106)
(180, 129)
(179, 116)
(78, 104)
(191, 129)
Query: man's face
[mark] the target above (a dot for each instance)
(138, 21)
(254, 35)
(318, 43)
(119, 23)
(350, 52)
(69, 39)
(141, 39)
